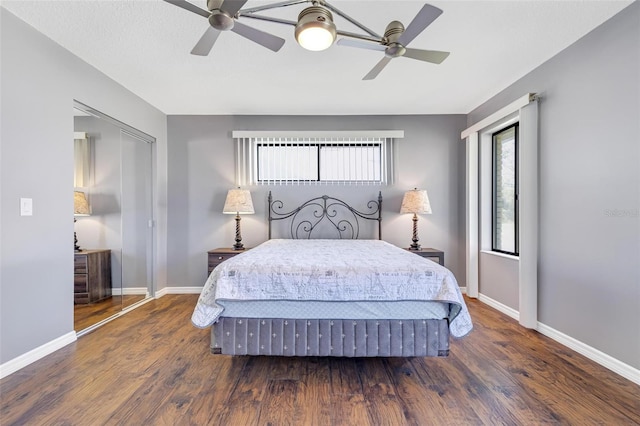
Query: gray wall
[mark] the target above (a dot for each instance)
(589, 268)
(498, 279)
(39, 81)
(202, 169)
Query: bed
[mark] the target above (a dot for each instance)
(340, 296)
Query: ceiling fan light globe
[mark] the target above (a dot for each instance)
(315, 39)
(315, 29)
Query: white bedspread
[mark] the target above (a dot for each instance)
(331, 270)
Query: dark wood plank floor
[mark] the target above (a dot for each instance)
(152, 367)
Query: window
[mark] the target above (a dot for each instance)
(505, 190)
(315, 160)
(319, 162)
(287, 162)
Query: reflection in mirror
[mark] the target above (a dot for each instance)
(136, 207)
(82, 159)
(112, 235)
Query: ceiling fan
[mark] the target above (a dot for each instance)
(396, 38)
(222, 16)
(315, 29)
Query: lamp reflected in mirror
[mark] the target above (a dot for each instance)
(80, 208)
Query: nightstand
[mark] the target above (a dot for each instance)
(431, 254)
(91, 276)
(219, 255)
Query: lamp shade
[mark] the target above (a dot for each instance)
(416, 201)
(238, 201)
(80, 204)
(315, 29)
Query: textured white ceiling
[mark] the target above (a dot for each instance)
(145, 45)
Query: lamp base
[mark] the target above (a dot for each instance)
(415, 245)
(238, 245)
(76, 247)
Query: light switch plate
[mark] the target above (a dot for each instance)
(26, 207)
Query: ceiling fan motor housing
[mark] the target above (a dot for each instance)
(315, 13)
(393, 31)
(392, 34)
(220, 20)
(214, 5)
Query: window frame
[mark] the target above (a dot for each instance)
(380, 167)
(494, 190)
(245, 159)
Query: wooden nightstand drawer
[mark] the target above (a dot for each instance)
(81, 298)
(80, 264)
(219, 255)
(80, 283)
(431, 254)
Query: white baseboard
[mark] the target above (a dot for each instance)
(129, 291)
(607, 361)
(463, 290)
(617, 366)
(34, 355)
(499, 306)
(178, 290)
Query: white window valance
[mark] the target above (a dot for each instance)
(395, 134)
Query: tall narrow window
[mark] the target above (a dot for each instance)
(505, 190)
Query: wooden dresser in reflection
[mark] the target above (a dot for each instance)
(92, 276)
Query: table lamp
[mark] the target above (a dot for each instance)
(415, 201)
(238, 202)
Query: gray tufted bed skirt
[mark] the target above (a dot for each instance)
(325, 337)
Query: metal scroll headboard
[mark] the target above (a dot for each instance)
(341, 217)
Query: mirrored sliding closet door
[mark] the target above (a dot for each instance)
(113, 214)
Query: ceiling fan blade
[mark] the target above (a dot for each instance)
(232, 6)
(190, 7)
(258, 36)
(206, 42)
(376, 70)
(433, 56)
(361, 44)
(426, 16)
